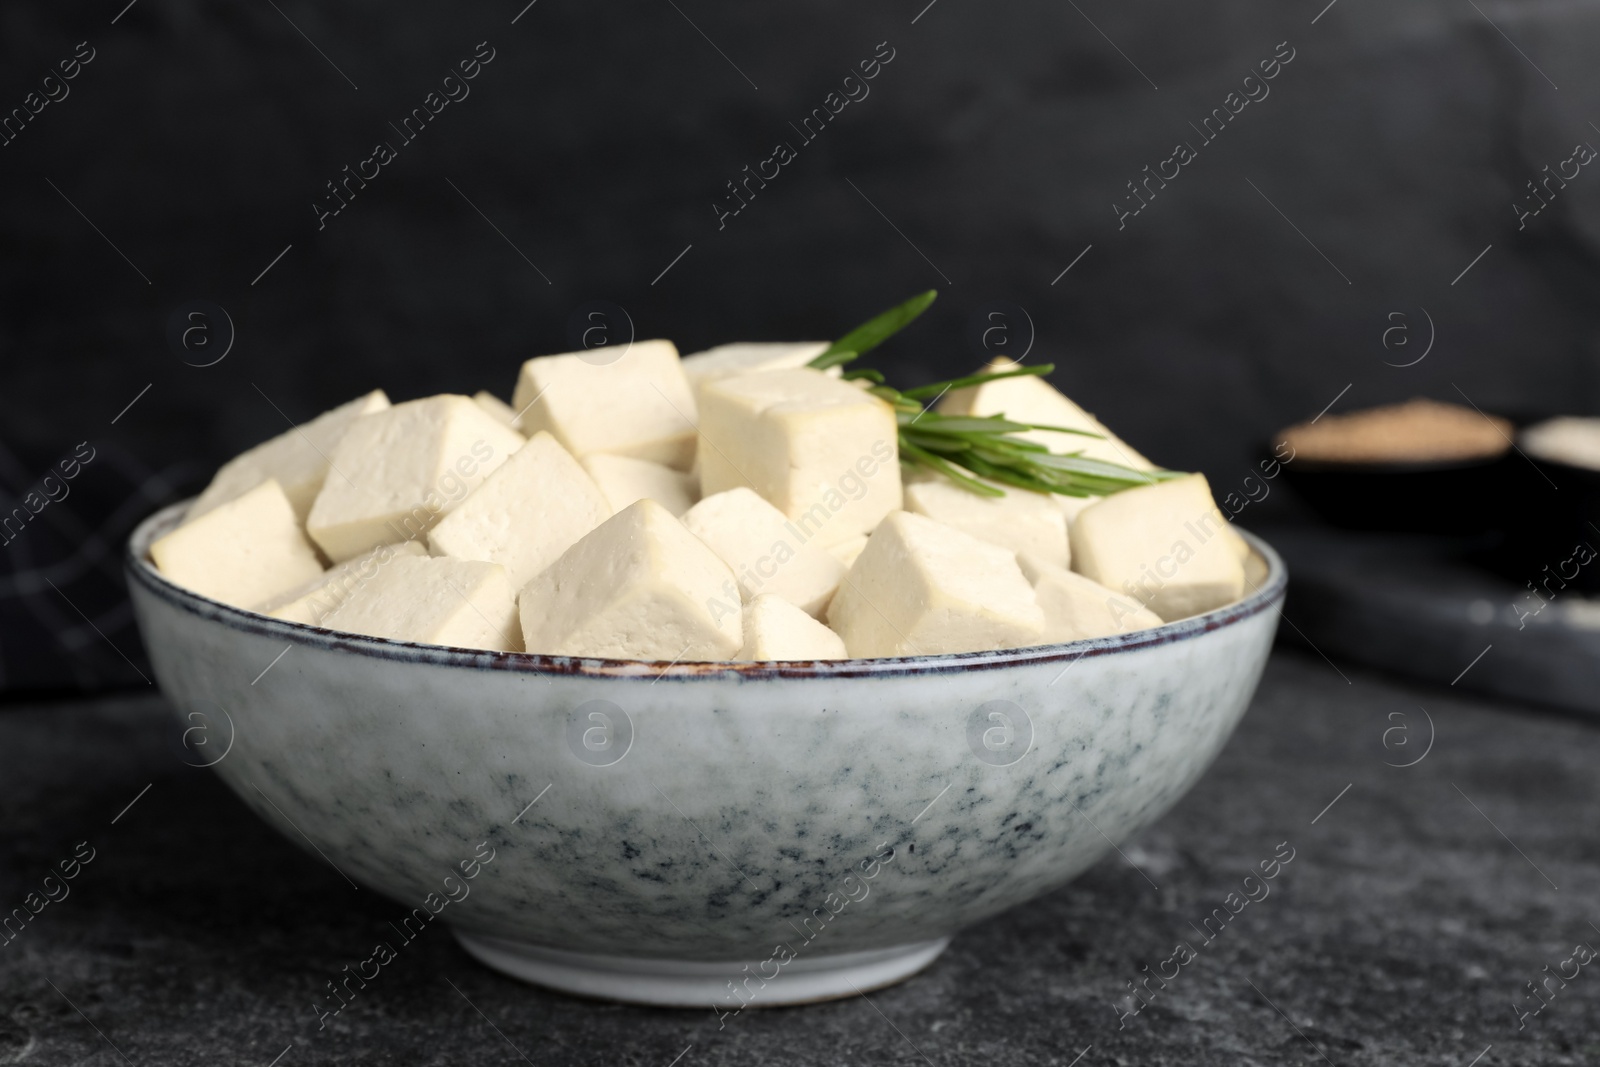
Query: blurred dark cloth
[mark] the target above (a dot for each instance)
(65, 619)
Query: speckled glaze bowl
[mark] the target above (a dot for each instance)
(723, 835)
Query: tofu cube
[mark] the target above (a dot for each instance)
(624, 479)
(297, 459)
(1071, 507)
(765, 550)
(1240, 546)
(822, 451)
(397, 472)
(1163, 545)
(748, 357)
(847, 551)
(922, 588)
(1032, 399)
(240, 552)
(638, 405)
(775, 629)
(311, 602)
(640, 586)
(496, 407)
(530, 509)
(1022, 521)
(1076, 608)
(457, 602)
(1255, 571)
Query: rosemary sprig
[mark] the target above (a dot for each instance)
(986, 446)
(874, 331)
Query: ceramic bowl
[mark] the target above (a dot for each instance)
(702, 834)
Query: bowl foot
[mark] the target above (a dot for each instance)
(702, 984)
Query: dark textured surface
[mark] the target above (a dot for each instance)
(1429, 608)
(1401, 932)
(996, 143)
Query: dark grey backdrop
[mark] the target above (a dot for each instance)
(1258, 285)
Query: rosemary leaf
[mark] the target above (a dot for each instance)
(935, 442)
(923, 391)
(1005, 474)
(900, 403)
(874, 331)
(949, 470)
(1065, 429)
(986, 446)
(833, 357)
(1077, 464)
(983, 424)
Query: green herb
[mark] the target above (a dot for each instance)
(960, 446)
(874, 331)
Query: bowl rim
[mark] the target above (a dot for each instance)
(141, 571)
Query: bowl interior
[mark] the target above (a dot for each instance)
(1266, 581)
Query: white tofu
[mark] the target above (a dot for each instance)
(638, 405)
(1076, 608)
(457, 602)
(311, 601)
(922, 588)
(1164, 545)
(1073, 506)
(765, 550)
(1032, 399)
(820, 450)
(1022, 521)
(641, 586)
(1240, 546)
(775, 629)
(1255, 572)
(530, 509)
(396, 472)
(847, 551)
(297, 459)
(748, 357)
(624, 479)
(240, 552)
(496, 407)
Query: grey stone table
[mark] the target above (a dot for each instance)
(1418, 904)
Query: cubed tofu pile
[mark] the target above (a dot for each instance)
(734, 504)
